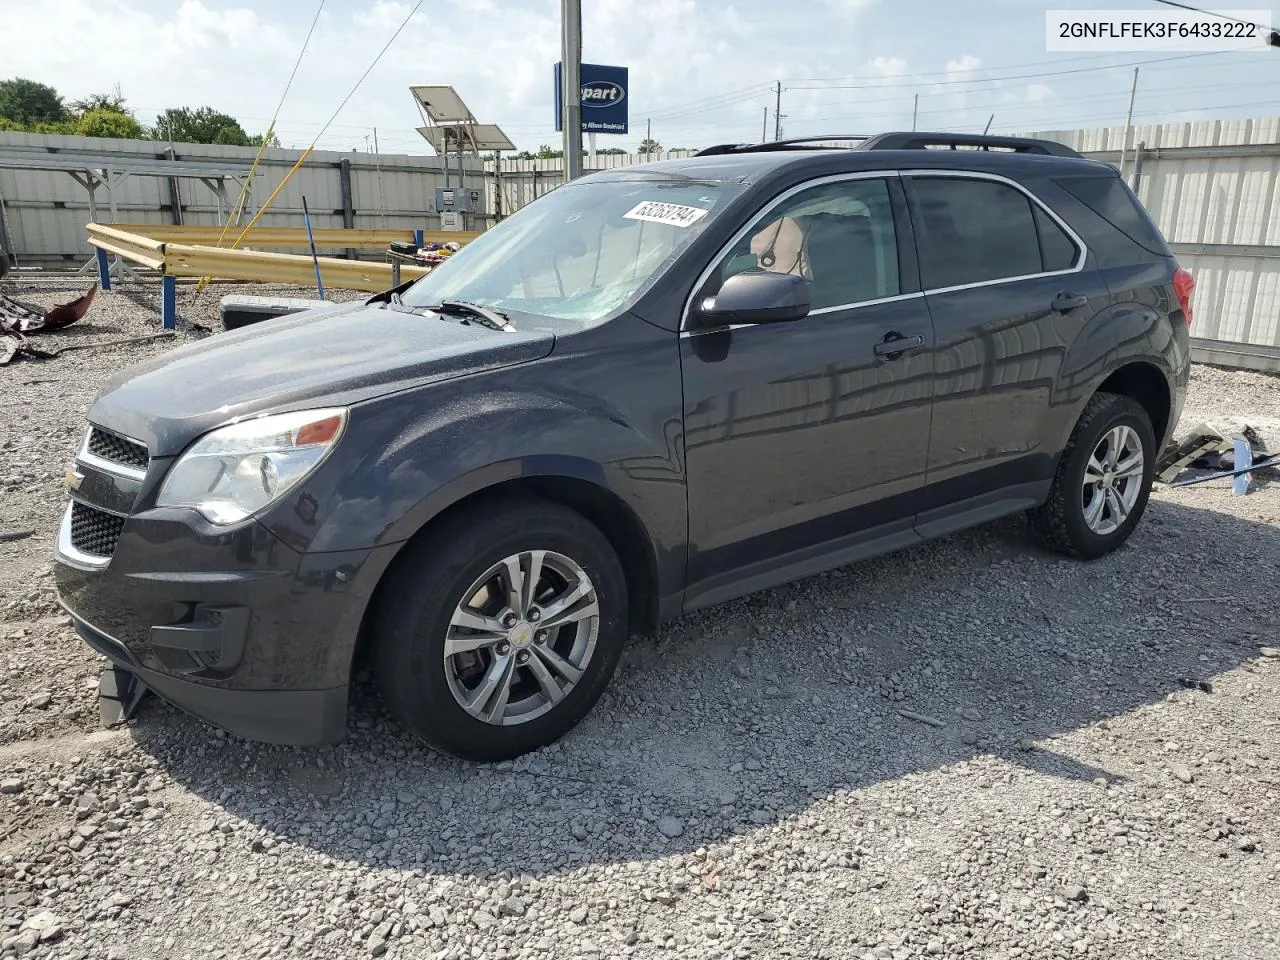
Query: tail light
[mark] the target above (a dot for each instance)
(1183, 286)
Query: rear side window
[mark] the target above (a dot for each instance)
(1110, 199)
(970, 231)
(1057, 250)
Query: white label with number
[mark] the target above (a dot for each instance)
(673, 214)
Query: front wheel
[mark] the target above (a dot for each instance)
(500, 628)
(1103, 480)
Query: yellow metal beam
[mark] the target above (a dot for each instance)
(295, 237)
(130, 246)
(285, 268)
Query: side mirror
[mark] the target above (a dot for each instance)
(757, 296)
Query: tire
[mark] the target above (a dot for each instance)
(1063, 522)
(420, 606)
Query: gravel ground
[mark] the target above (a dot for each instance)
(970, 748)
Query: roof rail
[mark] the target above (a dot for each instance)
(923, 141)
(790, 144)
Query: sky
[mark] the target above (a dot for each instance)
(701, 72)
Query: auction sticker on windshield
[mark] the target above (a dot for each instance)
(674, 214)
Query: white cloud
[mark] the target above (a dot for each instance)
(964, 65)
(1037, 92)
(889, 66)
(851, 7)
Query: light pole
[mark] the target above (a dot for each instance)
(571, 77)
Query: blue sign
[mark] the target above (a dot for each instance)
(604, 99)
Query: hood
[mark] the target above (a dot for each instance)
(323, 357)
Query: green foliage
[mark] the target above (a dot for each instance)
(63, 128)
(103, 122)
(113, 101)
(545, 152)
(30, 103)
(202, 125)
(648, 146)
(11, 125)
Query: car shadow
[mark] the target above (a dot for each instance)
(738, 716)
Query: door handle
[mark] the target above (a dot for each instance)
(1065, 302)
(895, 345)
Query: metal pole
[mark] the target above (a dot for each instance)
(777, 115)
(571, 58)
(1128, 124)
(915, 110)
(990, 120)
(764, 127)
(306, 216)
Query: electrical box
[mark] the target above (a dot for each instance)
(458, 200)
(450, 220)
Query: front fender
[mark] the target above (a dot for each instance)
(604, 413)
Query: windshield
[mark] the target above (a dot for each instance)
(582, 252)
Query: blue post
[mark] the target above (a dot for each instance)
(306, 216)
(169, 302)
(417, 238)
(104, 268)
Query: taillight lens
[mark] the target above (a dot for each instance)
(1183, 286)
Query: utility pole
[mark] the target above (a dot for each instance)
(1128, 124)
(764, 127)
(777, 115)
(987, 128)
(648, 136)
(915, 109)
(571, 72)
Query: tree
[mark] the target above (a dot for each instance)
(102, 122)
(611, 150)
(113, 101)
(30, 103)
(648, 146)
(546, 153)
(202, 125)
(256, 140)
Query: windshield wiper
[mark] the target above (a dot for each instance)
(485, 316)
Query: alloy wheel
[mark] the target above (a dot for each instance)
(1112, 480)
(521, 638)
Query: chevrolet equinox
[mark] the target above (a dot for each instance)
(653, 389)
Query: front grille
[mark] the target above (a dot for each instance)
(94, 531)
(117, 449)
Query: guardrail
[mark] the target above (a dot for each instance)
(289, 237)
(131, 246)
(181, 260)
(173, 260)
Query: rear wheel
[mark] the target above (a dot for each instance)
(1103, 480)
(500, 628)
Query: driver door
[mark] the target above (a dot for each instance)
(806, 442)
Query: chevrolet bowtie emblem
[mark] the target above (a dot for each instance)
(73, 478)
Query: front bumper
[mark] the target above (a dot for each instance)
(299, 717)
(233, 626)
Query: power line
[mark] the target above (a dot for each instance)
(1024, 76)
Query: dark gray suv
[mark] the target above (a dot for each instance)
(654, 389)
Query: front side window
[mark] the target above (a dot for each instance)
(971, 231)
(838, 236)
(582, 252)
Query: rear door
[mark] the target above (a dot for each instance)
(1009, 293)
(809, 437)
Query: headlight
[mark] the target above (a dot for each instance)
(234, 471)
